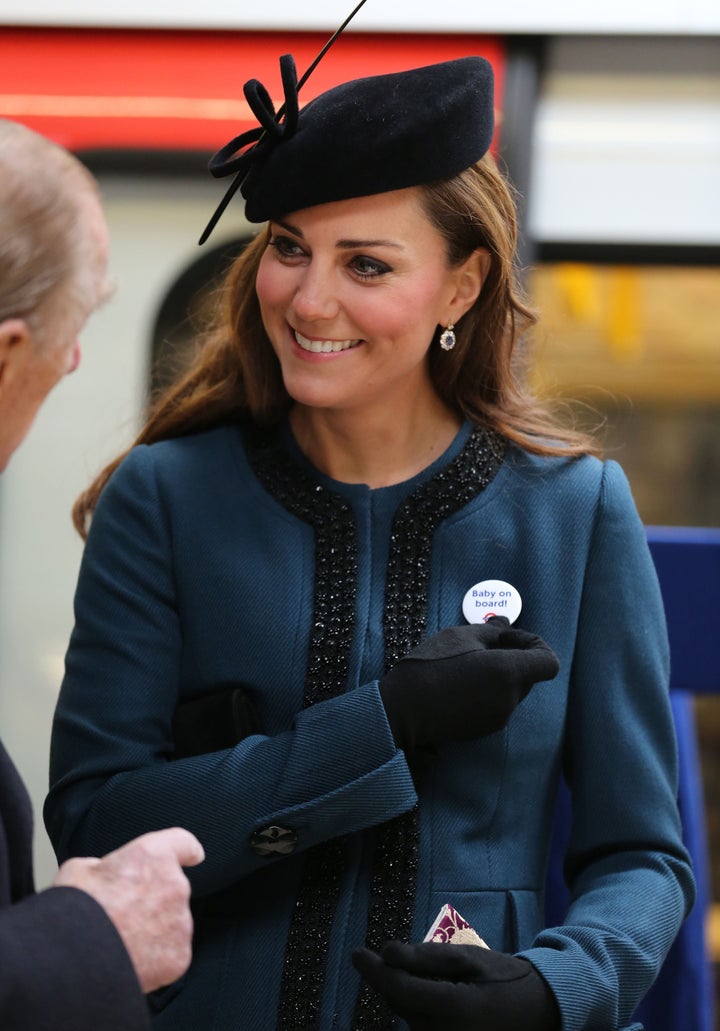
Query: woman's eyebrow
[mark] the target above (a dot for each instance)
(354, 244)
(341, 244)
(289, 228)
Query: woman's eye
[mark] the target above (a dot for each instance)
(368, 268)
(285, 247)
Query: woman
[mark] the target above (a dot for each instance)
(284, 631)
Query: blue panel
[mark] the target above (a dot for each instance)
(687, 560)
(688, 564)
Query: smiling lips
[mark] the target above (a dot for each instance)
(324, 346)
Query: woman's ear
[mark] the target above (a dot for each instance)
(15, 340)
(469, 279)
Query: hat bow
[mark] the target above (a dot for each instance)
(239, 153)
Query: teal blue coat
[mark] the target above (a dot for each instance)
(211, 562)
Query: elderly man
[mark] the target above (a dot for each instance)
(79, 955)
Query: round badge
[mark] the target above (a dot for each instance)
(491, 598)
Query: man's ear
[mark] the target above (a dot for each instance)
(15, 341)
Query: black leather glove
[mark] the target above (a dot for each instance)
(463, 682)
(442, 987)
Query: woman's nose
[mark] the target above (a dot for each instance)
(315, 297)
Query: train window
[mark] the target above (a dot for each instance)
(639, 346)
(185, 310)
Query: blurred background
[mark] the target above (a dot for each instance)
(609, 125)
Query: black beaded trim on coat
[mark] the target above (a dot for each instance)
(404, 620)
(394, 875)
(335, 592)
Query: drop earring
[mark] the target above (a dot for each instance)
(447, 338)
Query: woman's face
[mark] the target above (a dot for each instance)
(351, 294)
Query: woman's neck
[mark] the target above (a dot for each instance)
(378, 449)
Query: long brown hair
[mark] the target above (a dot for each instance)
(484, 377)
(236, 375)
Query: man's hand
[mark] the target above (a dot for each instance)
(144, 891)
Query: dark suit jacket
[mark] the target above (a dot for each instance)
(63, 966)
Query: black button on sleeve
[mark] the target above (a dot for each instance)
(273, 841)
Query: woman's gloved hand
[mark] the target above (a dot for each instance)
(442, 987)
(463, 683)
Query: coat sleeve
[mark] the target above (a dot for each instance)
(629, 875)
(63, 967)
(112, 776)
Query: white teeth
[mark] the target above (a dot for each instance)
(324, 346)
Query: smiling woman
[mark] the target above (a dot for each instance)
(272, 646)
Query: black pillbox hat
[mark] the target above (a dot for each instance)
(376, 134)
(367, 136)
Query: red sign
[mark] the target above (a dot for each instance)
(90, 89)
